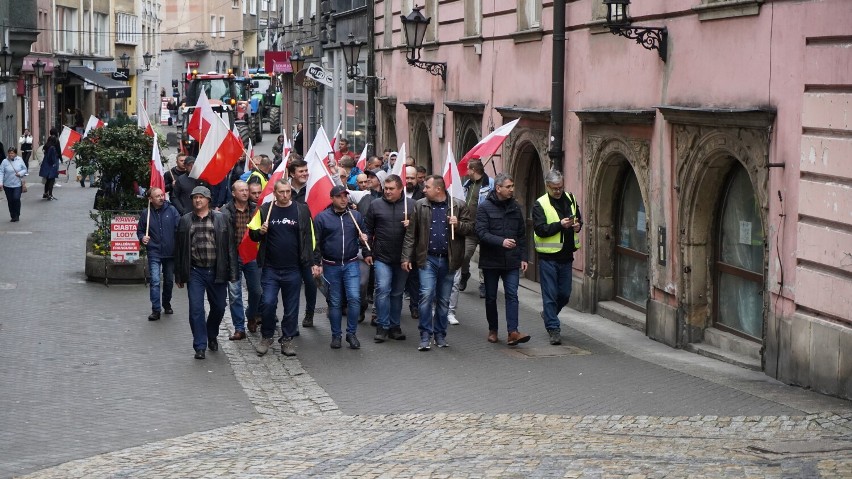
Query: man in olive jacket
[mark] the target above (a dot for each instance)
(205, 260)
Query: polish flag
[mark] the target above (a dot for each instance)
(488, 145)
(320, 182)
(202, 118)
(452, 179)
(247, 248)
(361, 164)
(67, 139)
(94, 122)
(249, 156)
(217, 155)
(399, 166)
(336, 134)
(142, 120)
(158, 179)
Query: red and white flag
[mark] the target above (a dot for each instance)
(320, 183)
(142, 120)
(452, 179)
(399, 165)
(202, 118)
(247, 248)
(249, 157)
(336, 134)
(361, 164)
(217, 155)
(94, 122)
(488, 145)
(67, 139)
(158, 179)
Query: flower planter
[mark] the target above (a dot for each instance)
(102, 269)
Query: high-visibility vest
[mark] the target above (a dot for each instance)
(262, 177)
(554, 244)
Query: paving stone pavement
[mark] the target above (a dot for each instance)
(615, 404)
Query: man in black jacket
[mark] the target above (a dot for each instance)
(285, 232)
(501, 230)
(156, 230)
(183, 187)
(205, 260)
(178, 170)
(239, 211)
(385, 227)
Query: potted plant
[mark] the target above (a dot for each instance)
(121, 155)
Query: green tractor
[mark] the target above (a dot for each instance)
(267, 94)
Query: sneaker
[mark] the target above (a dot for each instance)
(425, 341)
(555, 337)
(308, 321)
(451, 318)
(263, 347)
(353, 341)
(481, 290)
(335, 342)
(463, 281)
(287, 348)
(441, 341)
(381, 335)
(396, 333)
(154, 316)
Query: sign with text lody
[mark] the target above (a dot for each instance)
(123, 244)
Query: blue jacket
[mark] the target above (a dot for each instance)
(164, 223)
(337, 237)
(50, 164)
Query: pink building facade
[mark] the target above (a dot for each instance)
(716, 186)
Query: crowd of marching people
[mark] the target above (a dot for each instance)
(381, 233)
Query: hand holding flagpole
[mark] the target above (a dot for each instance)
(148, 220)
(360, 233)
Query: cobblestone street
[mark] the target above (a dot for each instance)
(93, 389)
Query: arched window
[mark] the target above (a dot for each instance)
(631, 250)
(218, 66)
(739, 259)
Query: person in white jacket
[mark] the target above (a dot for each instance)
(26, 144)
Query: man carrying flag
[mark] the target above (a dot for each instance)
(239, 211)
(156, 230)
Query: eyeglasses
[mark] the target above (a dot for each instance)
(556, 187)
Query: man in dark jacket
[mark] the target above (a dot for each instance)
(183, 187)
(385, 227)
(205, 260)
(298, 171)
(431, 244)
(287, 245)
(239, 211)
(501, 230)
(156, 230)
(338, 231)
(178, 170)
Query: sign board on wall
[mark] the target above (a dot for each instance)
(123, 245)
(321, 75)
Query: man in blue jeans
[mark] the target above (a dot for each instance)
(239, 211)
(205, 260)
(556, 222)
(338, 231)
(434, 241)
(501, 229)
(156, 230)
(287, 245)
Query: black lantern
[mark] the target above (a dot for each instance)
(414, 26)
(351, 53)
(297, 62)
(5, 64)
(618, 21)
(147, 59)
(125, 60)
(63, 65)
(38, 68)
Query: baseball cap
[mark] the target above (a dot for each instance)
(338, 190)
(203, 191)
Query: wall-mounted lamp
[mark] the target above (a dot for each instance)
(5, 64)
(297, 62)
(414, 25)
(618, 21)
(63, 65)
(351, 53)
(125, 60)
(38, 68)
(147, 59)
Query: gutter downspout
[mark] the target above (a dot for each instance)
(557, 92)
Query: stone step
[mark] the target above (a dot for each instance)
(729, 357)
(621, 314)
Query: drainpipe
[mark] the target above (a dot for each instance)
(557, 92)
(372, 81)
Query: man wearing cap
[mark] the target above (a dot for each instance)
(287, 245)
(183, 187)
(338, 231)
(205, 260)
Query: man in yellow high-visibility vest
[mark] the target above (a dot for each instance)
(556, 223)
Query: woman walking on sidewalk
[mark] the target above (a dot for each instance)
(12, 173)
(50, 165)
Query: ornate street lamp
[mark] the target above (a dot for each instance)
(125, 60)
(63, 65)
(147, 59)
(38, 68)
(297, 62)
(5, 64)
(351, 54)
(618, 21)
(414, 26)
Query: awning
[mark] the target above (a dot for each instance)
(114, 89)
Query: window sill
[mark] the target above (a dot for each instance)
(727, 9)
(597, 27)
(471, 41)
(525, 36)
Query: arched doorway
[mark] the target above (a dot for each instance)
(631, 246)
(529, 184)
(469, 139)
(422, 148)
(739, 259)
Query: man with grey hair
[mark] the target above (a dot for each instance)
(501, 229)
(476, 189)
(556, 223)
(239, 211)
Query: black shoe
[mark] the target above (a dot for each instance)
(335, 342)
(353, 341)
(308, 321)
(415, 314)
(396, 333)
(213, 344)
(167, 308)
(381, 335)
(373, 320)
(199, 354)
(463, 281)
(82, 184)
(154, 316)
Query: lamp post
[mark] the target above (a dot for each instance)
(618, 21)
(5, 64)
(414, 26)
(147, 59)
(351, 54)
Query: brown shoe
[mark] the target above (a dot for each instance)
(492, 336)
(252, 325)
(238, 335)
(516, 338)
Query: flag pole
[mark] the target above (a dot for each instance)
(367, 244)
(404, 195)
(452, 227)
(148, 220)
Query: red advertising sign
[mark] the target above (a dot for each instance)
(277, 62)
(124, 245)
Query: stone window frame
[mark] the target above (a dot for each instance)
(472, 19)
(720, 9)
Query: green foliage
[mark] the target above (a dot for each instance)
(121, 120)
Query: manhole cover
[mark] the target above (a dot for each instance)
(8, 285)
(551, 352)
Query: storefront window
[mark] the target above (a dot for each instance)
(632, 247)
